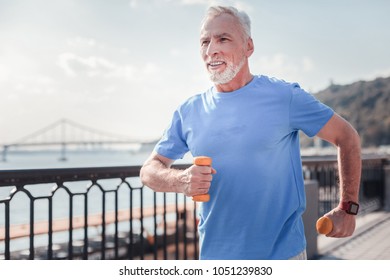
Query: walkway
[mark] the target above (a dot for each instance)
(371, 240)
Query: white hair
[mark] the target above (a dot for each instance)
(241, 16)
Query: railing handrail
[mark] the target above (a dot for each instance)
(38, 176)
(23, 177)
(18, 177)
(313, 160)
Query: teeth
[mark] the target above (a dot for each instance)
(216, 63)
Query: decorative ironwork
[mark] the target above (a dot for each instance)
(106, 213)
(131, 220)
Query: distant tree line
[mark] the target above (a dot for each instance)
(366, 105)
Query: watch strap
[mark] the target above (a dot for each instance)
(350, 207)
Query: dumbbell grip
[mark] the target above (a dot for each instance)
(202, 161)
(324, 225)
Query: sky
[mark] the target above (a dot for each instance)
(124, 66)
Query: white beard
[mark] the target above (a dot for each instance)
(228, 74)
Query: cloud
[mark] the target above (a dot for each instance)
(133, 4)
(294, 69)
(241, 5)
(283, 65)
(383, 73)
(176, 52)
(81, 42)
(195, 2)
(4, 76)
(91, 66)
(23, 85)
(100, 67)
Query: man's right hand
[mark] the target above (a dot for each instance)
(197, 179)
(157, 174)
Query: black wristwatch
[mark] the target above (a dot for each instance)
(350, 207)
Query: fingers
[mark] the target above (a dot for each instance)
(343, 224)
(203, 169)
(202, 176)
(199, 180)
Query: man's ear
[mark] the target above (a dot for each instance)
(249, 47)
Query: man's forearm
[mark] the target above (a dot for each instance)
(162, 178)
(349, 164)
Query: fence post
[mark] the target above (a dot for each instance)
(310, 217)
(386, 171)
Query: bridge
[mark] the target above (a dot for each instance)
(64, 133)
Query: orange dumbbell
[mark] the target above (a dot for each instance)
(324, 225)
(202, 161)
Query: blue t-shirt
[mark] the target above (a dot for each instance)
(257, 195)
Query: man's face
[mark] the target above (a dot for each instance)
(223, 48)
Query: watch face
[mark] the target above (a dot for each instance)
(353, 208)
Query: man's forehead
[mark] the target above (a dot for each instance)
(224, 24)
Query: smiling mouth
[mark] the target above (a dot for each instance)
(215, 64)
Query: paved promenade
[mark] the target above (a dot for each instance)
(371, 240)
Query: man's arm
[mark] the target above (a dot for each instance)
(157, 174)
(340, 133)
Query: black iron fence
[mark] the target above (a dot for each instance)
(92, 213)
(325, 171)
(106, 213)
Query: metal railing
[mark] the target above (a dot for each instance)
(106, 213)
(325, 171)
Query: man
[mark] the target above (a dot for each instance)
(249, 126)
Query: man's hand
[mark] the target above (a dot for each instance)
(157, 174)
(343, 223)
(197, 179)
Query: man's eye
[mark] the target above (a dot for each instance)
(224, 39)
(205, 43)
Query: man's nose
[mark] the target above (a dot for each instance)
(212, 48)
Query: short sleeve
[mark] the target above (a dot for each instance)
(307, 113)
(173, 144)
